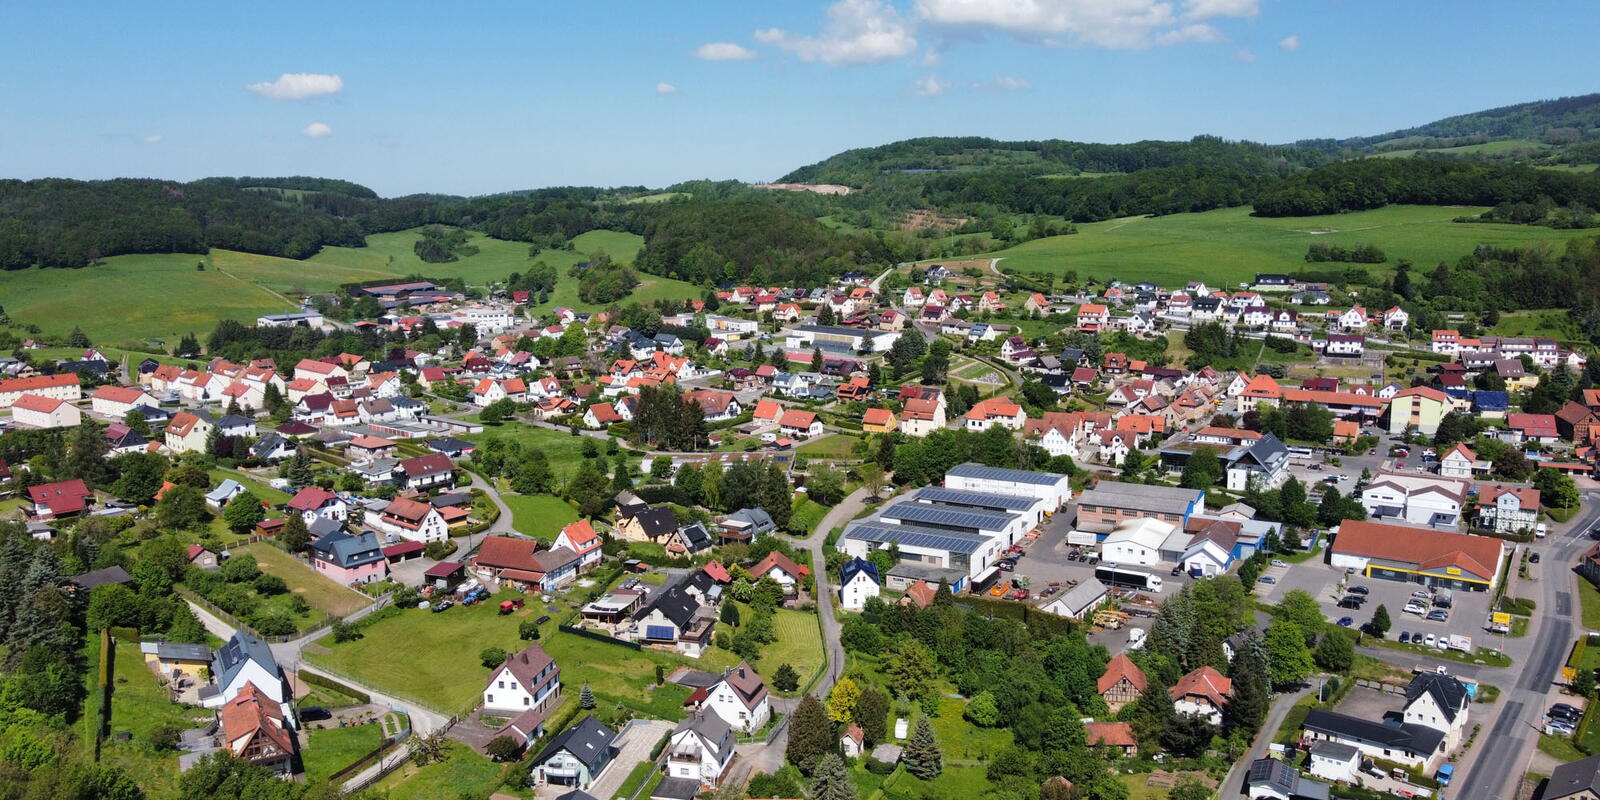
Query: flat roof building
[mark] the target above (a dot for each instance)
(1111, 502)
(1051, 487)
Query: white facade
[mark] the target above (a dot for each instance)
(1054, 489)
(1419, 500)
(1135, 542)
(853, 595)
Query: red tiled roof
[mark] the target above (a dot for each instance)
(62, 497)
(310, 498)
(1109, 734)
(783, 563)
(1204, 682)
(34, 402)
(1476, 554)
(38, 382)
(504, 552)
(1121, 667)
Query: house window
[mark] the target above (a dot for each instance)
(488, 698)
(502, 684)
(525, 699)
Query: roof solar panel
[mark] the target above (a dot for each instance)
(914, 536)
(981, 472)
(963, 497)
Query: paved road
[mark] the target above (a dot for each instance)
(769, 757)
(1258, 749)
(423, 721)
(1505, 745)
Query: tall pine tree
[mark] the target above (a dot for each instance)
(810, 735)
(922, 756)
(832, 781)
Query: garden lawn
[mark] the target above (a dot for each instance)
(328, 750)
(541, 516)
(960, 739)
(464, 773)
(835, 445)
(1227, 246)
(322, 593)
(799, 645)
(1589, 601)
(563, 449)
(263, 492)
(427, 657)
(139, 705)
(621, 674)
(806, 514)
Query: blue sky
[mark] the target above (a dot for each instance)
(478, 97)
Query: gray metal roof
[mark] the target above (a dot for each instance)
(1139, 497)
(915, 536)
(240, 650)
(981, 472)
(963, 497)
(942, 516)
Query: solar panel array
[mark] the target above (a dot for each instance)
(915, 536)
(952, 516)
(964, 497)
(981, 472)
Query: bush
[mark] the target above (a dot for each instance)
(333, 685)
(492, 657)
(877, 767)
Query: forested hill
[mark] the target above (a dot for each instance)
(1560, 121)
(1050, 157)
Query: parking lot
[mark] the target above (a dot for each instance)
(1048, 560)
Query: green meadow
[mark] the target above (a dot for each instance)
(1228, 246)
(129, 300)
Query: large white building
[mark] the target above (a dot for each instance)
(1053, 488)
(1417, 499)
(829, 338)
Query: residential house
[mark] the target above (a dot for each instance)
(745, 525)
(858, 580)
(1354, 319)
(699, 752)
(1117, 736)
(1122, 683)
(581, 539)
(577, 756)
(782, 569)
(413, 520)
(223, 493)
(1508, 509)
(740, 698)
(1574, 780)
(176, 661)
(676, 617)
(188, 432)
(243, 661)
(1535, 428)
(58, 500)
(800, 423)
(995, 411)
(1577, 423)
(646, 525)
(1202, 693)
(521, 564)
(1264, 462)
(253, 728)
(923, 415)
(1419, 408)
(427, 471)
(117, 401)
(879, 420)
(1272, 779)
(1345, 344)
(528, 680)
(1460, 462)
(347, 558)
(38, 411)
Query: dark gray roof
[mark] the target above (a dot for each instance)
(981, 472)
(101, 577)
(235, 421)
(856, 566)
(675, 603)
(1574, 777)
(711, 727)
(940, 516)
(1267, 451)
(349, 551)
(916, 536)
(756, 518)
(1273, 773)
(268, 443)
(1334, 750)
(322, 527)
(1447, 692)
(1419, 739)
(656, 521)
(675, 789)
(963, 497)
(588, 741)
(239, 651)
(178, 650)
(695, 537)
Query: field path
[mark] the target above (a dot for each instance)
(994, 266)
(253, 285)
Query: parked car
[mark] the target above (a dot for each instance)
(1428, 640)
(1278, 562)
(1422, 594)
(1345, 622)
(1357, 590)
(1405, 637)
(442, 605)
(1414, 607)
(1266, 579)
(1349, 602)
(1438, 615)
(1178, 570)
(1533, 559)
(314, 714)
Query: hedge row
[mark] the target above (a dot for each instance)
(328, 683)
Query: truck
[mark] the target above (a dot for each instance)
(1458, 642)
(1113, 575)
(1444, 775)
(1421, 669)
(1443, 598)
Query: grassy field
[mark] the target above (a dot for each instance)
(563, 449)
(1589, 601)
(539, 516)
(1229, 246)
(799, 645)
(139, 705)
(463, 773)
(1550, 324)
(263, 492)
(1487, 149)
(451, 677)
(130, 300)
(837, 445)
(329, 750)
(322, 593)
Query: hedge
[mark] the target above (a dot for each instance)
(328, 683)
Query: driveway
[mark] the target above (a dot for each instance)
(633, 747)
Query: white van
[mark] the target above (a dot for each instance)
(1136, 638)
(1541, 530)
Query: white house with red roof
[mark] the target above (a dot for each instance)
(1353, 319)
(1092, 316)
(995, 411)
(740, 698)
(313, 502)
(1508, 509)
(489, 390)
(580, 538)
(800, 423)
(61, 387)
(59, 499)
(319, 371)
(1395, 318)
(37, 411)
(117, 401)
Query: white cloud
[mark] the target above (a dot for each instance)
(1290, 43)
(666, 88)
(1003, 83)
(1208, 9)
(928, 86)
(298, 86)
(1244, 56)
(855, 32)
(1116, 24)
(151, 139)
(317, 130)
(723, 51)
(1189, 33)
